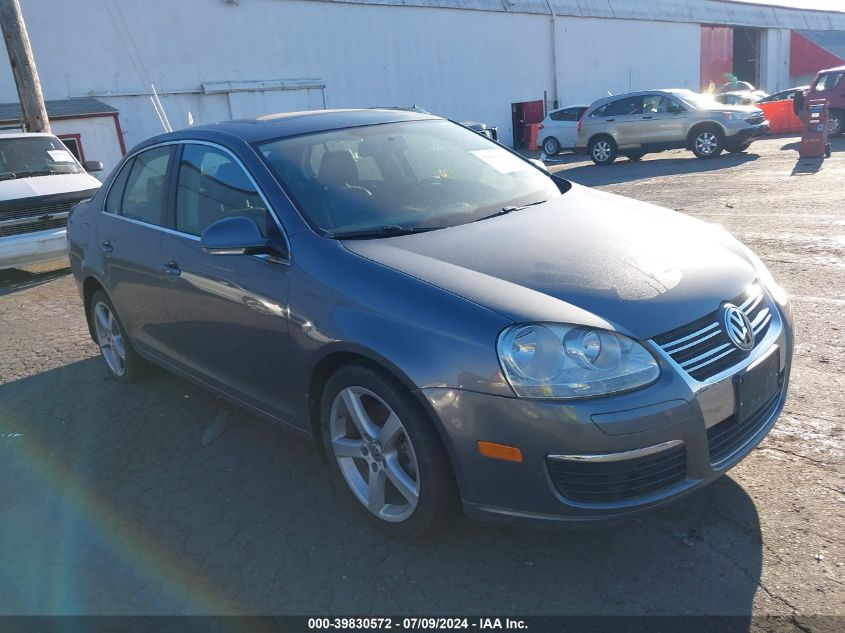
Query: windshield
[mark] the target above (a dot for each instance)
(35, 156)
(400, 177)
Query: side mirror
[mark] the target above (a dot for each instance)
(238, 235)
(92, 165)
(539, 164)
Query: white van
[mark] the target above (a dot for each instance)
(40, 180)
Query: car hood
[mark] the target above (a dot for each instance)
(588, 257)
(724, 107)
(36, 186)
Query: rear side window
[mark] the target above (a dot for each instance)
(146, 190)
(569, 114)
(211, 187)
(625, 107)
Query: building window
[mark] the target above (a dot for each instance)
(74, 144)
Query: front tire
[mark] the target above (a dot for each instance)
(707, 142)
(603, 150)
(739, 149)
(835, 123)
(384, 449)
(123, 361)
(634, 157)
(551, 146)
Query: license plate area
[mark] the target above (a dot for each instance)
(757, 384)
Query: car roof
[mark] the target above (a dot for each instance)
(835, 69)
(284, 124)
(574, 105)
(26, 135)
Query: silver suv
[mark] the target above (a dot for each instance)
(640, 123)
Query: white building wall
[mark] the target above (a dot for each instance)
(774, 60)
(98, 136)
(458, 63)
(600, 55)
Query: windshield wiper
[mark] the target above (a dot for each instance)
(41, 172)
(386, 230)
(509, 209)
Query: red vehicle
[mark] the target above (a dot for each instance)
(829, 84)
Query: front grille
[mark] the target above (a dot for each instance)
(609, 482)
(729, 436)
(31, 215)
(702, 348)
(32, 227)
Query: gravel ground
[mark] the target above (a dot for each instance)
(112, 503)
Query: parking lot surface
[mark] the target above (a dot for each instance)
(123, 499)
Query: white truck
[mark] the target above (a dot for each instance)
(40, 181)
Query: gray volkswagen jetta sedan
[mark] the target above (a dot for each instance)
(446, 320)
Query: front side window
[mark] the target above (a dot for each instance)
(146, 189)
(419, 174)
(211, 186)
(26, 157)
(828, 81)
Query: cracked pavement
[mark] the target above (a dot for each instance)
(111, 503)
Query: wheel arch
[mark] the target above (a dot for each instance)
(700, 125)
(342, 355)
(89, 287)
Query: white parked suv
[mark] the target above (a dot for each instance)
(40, 180)
(559, 130)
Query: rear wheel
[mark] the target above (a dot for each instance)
(603, 150)
(551, 146)
(707, 142)
(116, 349)
(835, 124)
(384, 449)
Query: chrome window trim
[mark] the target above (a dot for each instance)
(196, 238)
(617, 457)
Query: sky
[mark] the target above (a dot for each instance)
(824, 5)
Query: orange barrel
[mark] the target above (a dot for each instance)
(532, 130)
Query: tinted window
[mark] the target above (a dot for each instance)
(117, 187)
(658, 104)
(625, 106)
(570, 114)
(146, 189)
(828, 81)
(212, 186)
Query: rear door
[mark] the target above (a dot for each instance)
(621, 119)
(129, 235)
(227, 315)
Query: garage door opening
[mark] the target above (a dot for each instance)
(746, 54)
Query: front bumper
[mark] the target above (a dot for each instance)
(749, 133)
(29, 248)
(664, 429)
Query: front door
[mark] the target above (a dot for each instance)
(129, 237)
(663, 122)
(227, 316)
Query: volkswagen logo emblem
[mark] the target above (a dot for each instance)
(738, 327)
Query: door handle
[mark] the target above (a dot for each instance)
(610, 120)
(648, 117)
(172, 268)
(106, 247)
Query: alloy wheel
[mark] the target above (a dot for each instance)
(375, 454)
(110, 338)
(601, 151)
(706, 143)
(551, 146)
(834, 124)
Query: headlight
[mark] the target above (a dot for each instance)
(735, 116)
(567, 361)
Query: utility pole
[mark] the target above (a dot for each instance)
(23, 67)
